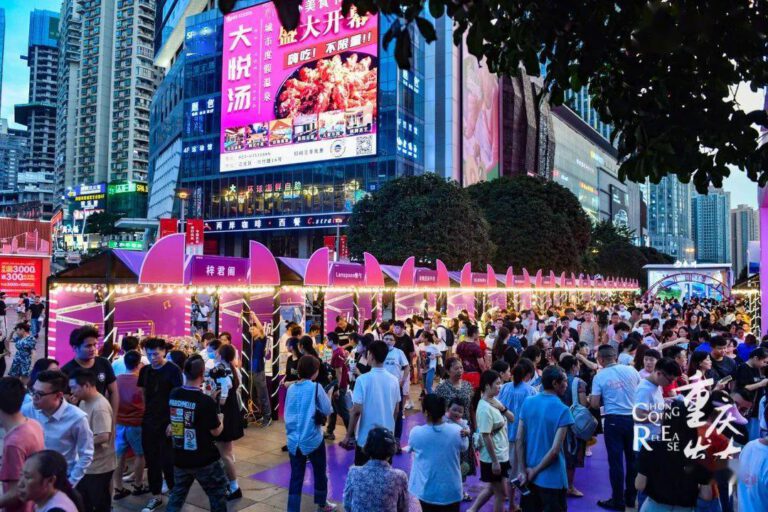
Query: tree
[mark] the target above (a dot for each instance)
(423, 216)
(662, 72)
(102, 223)
(534, 223)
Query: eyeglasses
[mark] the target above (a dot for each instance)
(38, 395)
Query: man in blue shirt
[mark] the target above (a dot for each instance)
(258, 378)
(543, 424)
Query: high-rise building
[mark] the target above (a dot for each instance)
(711, 226)
(2, 50)
(581, 103)
(669, 218)
(745, 228)
(13, 151)
(68, 93)
(36, 180)
(112, 91)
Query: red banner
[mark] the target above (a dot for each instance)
(330, 243)
(195, 236)
(168, 227)
(19, 275)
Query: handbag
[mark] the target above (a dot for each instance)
(320, 418)
(584, 423)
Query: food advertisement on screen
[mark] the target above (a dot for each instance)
(480, 121)
(304, 95)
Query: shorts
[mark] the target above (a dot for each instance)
(486, 472)
(128, 437)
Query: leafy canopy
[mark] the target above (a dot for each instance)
(662, 72)
(423, 216)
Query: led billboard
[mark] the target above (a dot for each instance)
(303, 95)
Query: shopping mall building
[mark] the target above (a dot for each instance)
(258, 167)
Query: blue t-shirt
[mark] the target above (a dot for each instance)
(743, 350)
(543, 415)
(513, 397)
(704, 347)
(257, 360)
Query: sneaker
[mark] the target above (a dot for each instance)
(588, 452)
(328, 507)
(265, 422)
(235, 495)
(139, 490)
(152, 504)
(165, 488)
(329, 436)
(609, 505)
(128, 477)
(121, 493)
(408, 405)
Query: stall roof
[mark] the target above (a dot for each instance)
(110, 265)
(392, 271)
(297, 266)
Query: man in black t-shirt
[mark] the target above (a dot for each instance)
(83, 341)
(157, 379)
(750, 383)
(722, 365)
(36, 310)
(195, 422)
(343, 329)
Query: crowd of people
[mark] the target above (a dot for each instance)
(518, 398)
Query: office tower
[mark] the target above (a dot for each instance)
(2, 51)
(581, 103)
(745, 228)
(70, 33)
(13, 150)
(711, 226)
(36, 179)
(112, 91)
(669, 218)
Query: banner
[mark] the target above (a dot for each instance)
(19, 275)
(212, 270)
(194, 239)
(330, 242)
(168, 227)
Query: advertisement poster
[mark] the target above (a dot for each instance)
(21, 275)
(25, 237)
(480, 121)
(304, 95)
(168, 227)
(194, 238)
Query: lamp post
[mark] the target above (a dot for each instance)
(183, 195)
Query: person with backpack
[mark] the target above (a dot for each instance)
(575, 448)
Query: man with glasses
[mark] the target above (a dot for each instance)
(65, 426)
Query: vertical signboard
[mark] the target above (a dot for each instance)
(303, 95)
(194, 238)
(168, 227)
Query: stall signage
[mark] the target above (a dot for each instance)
(330, 220)
(20, 275)
(425, 277)
(217, 270)
(479, 279)
(347, 274)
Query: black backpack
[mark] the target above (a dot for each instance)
(449, 339)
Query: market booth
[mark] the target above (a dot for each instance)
(151, 294)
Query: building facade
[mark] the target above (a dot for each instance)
(745, 228)
(2, 50)
(711, 226)
(106, 82)
(14, 148)
(36, 180)
(669, 218)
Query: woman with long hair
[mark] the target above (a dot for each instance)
(44, 482)
(229, 402)
(491, 418)
(500, 344)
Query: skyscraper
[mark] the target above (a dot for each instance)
(2, 51)
(745, 227)
(669, 218)
(13, 150)
(111, 93)
(36, 179)
(711, 226)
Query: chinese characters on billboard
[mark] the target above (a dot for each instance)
(479, 121)
(303, 95)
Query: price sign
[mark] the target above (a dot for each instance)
(20, 275)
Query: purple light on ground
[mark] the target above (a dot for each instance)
(592, 479)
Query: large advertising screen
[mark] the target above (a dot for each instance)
(480, 121)
(303, 95)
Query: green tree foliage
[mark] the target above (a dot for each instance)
(102, 223)
(534, 223)
(661, 72)
(423, 216)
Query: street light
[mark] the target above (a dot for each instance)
(183, 195)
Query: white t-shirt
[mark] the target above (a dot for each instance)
(431, 352)
(379, 393)
(395, 363)
(649, 397)
(753, 477)
(436, 470)
(202, 314)
(616, 384)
